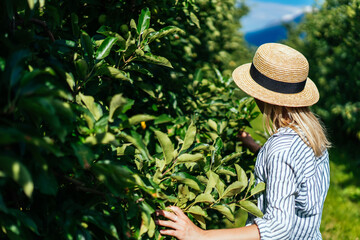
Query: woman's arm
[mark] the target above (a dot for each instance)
(183, 228)
(244, 233)
(248, 141)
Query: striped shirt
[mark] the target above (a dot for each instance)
(296, 186)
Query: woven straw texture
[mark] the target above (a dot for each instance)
(281, 63)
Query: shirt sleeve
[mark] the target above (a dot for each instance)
(278, 220)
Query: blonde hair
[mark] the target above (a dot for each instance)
(301, 120)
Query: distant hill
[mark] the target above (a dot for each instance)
(272, 33)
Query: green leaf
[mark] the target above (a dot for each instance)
(189, 137)
(46, 182)
(147, 208)
(10, 135)
(84, 154)
(163, 118)
(205, 197)
(106, 31)
(149, 58)
(195, 19)
(146, 35)
(234, 188)
(104, 50)
(31, 4)
(241, 175)
(212, 124)
(116, 102)
(184, 158)
(34, 74)
(219, 75)
(198, 75)
(201, 220)
(125, 149)
(225, 210)
(101, 138)
(250, 182)
(26, 220)
(196, 210)
(258, 188)
(117, 176)
(9, 8)
(3, 207)
(70, 80)
(144, 21)
(151, 227)
(213, 179)
(164, 32)
(139, 52)
(218, 145)
(145, 223)
(114, 73)
(148, 88)
(226, 170)
(81, 68)
(251, 208)
(135, 139)
(2, 64)
(13, 67)
(220, 186)
(160, 164)
(231, 157)
(93, 107)
(140, 118)
(137, 68)
(183, 191)
(133, 24)
(87, 45)
(18, 172)
(187, 179)
(45, 143)
(223, 125)
(201, 147)
(75, 24)
(166, 145)
(99, 221)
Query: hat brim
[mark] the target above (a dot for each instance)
(309, 96)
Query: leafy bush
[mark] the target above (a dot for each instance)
(104, 119)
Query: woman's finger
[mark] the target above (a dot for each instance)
(169, 232)
(167, 214)
(178, 211)
(169, 224)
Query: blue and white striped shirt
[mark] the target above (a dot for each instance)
(296, 186)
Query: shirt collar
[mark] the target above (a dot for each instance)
(285, 130)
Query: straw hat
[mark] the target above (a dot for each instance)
(277, 75)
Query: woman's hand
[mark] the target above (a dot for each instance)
(180, 225)
(248, 141)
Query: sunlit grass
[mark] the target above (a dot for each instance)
(341, 214)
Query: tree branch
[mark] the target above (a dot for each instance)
(44, 26)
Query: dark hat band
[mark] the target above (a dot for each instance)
(274, 85)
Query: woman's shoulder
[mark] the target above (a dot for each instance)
(281, 140)
(286, 141)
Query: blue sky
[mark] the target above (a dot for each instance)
(265, 13)
(290, 2)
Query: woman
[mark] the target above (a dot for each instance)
(293, 163)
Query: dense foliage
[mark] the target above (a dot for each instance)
(329, 38)
(111, 109)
